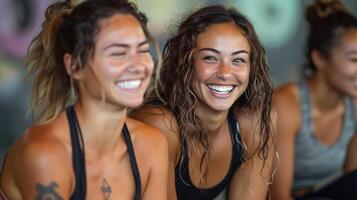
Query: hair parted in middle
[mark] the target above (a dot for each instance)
(174, 83)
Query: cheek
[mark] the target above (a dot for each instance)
(242, 74)
(203, 72)
(340, 70)
(340, 65)
(349, 68)
(113, 68)
(149, 63)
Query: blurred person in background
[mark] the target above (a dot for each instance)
(90, 63)
(212, 99)
(316, 134)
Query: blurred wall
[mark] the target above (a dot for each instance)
(279, 23)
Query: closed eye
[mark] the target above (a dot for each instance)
(118, 54)
(144, 51)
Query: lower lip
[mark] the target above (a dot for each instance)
(131, 90)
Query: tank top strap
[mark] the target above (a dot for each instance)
(133, 163)
(78, 157)
(305, 106)
(350, 118)
(234, 130)
(349, 122)
(237, 144)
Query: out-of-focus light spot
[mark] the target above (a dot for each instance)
(276, 21)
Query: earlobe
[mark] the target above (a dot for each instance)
(71, 65)
(318, 59)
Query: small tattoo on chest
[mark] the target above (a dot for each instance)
(106, 189)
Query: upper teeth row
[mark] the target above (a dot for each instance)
(129, 84)
(221, 88)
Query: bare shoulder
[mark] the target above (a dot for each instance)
(286, 95)
(165, 121)
(159, 117)
(149, 142)
(145, 134)
(286, 101)
(249, 124)
(37, 157)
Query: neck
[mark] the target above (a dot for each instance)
(324, 97)
(212, 120)
(101, 124)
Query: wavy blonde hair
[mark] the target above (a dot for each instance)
(69, 29)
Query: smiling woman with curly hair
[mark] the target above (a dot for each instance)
(212, 99)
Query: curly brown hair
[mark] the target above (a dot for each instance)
(174, 88)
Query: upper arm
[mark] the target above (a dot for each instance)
(159, 159)
(286, 103)
(38, 170)
(351, 159)
(165, 121)
(252, 178)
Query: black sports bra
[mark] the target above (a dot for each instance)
(184, 186)
(78, 158)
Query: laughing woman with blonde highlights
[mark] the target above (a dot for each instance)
(90, 63)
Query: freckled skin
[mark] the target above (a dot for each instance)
(221, 57)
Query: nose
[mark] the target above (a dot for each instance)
(224, 72)
(136, 66)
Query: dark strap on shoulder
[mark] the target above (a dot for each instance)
(133, 163)
(233, 129)
(237, 145)
(78, 157)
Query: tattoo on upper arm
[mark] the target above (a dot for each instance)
(106, 189)
(47, 192)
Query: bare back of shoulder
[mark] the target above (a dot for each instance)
(163, 119)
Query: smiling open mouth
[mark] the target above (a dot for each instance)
(129, 84)
(221, 89)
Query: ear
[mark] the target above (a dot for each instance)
(71, 64)
(318, 59)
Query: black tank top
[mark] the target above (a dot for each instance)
(78, 158)
(184, 187)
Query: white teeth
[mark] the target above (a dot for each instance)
(220, 88)
(130, 84)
